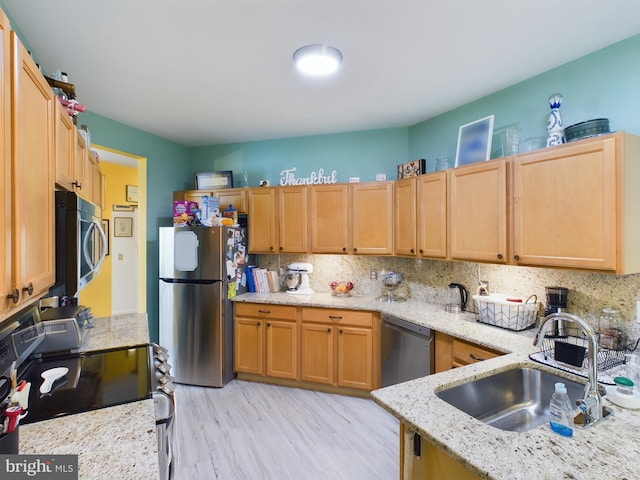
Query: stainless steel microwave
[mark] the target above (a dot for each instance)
(81, 244)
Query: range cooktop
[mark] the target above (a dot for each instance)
(94, 380)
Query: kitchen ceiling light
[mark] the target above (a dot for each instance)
(317, 59)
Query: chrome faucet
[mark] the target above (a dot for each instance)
(591, 403)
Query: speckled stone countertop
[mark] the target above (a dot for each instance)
(608, 450)
(116, 442)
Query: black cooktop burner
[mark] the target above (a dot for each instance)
(94, 380)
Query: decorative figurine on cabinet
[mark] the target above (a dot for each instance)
(554, 125)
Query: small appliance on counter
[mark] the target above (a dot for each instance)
(458, 296)
(393, 289)
(297, 278)
(556, 303)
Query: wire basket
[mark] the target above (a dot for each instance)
(568, 352)
(497, 310)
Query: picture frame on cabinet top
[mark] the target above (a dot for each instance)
(213, 180)
(474, 141)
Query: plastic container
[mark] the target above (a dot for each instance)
(561, 412)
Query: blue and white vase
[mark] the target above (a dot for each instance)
(554, 125)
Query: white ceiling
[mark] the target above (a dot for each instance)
(202, 72)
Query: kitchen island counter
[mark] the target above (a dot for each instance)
(607, 450)
(114, 442)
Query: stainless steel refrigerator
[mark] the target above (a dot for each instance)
(201, 269)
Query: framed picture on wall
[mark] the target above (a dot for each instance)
(474, 141)
(105, 229)
(123, 227)
(132, 193)
(213, 180)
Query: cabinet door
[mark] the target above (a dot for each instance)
(564, 209)
(282, 349)
(248, 346)
(329, 218)
(33, 171)
(372, 218)
(317, 353)
(405, 217)
(97, 186)
(292, 219)
(355, 357)
(478, 212)
(263, 233)
(232, 196)
(80, 165)
(64, 147)
(5, 164)
(432, 215)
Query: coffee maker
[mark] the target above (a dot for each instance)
(297, 278)
(557, 303)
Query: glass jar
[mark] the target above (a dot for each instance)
(442, 163)
(610, 332)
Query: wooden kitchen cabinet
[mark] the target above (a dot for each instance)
(427, 461)
(329, 218)
(32, 244)
(452, 352)
(81, 167)
(64, 147)
(478, 212)
(577, 205)
(292, 220)
(339, 348)
(228, 196)
(96, 180)
(266, 340)
(5, 163)
(421, 216)
(372, 218)
(262, 221)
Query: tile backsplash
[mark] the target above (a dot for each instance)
(428, 280)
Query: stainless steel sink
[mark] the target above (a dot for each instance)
(514, 400)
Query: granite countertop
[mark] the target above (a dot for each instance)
(607, 450)
(114, 442)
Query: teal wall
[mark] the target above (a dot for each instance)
(602, 84)
(353, 154)
(165, 173)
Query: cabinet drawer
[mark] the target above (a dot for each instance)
(466, 353)
(264, 310)
(341, 317)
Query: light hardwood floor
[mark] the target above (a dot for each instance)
(254, 431)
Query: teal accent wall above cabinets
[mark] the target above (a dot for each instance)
(353, 154)
(603, 84)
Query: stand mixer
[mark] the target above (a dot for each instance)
(297, 278)
(392, 286)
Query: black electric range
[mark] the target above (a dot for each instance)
(95, 380)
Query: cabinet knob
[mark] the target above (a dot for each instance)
(328, 330)
(340, 331)
(77, 184)
(344, 249)
(268, 324)
(355, 249)
(421, 251)
(271, 248)
(413, 251)
(499, 256)
(14, 296)
(280, 249)
(516, 258)
(28, 289)
(258, 324)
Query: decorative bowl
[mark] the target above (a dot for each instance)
(341, 289)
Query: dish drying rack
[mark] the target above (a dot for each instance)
(611, 363)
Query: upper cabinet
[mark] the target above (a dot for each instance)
(5, 163)
(405, 217)
(329, 218)
(372, 218)
(478, 212)
(578, 206)
(65, 147)
(32, 106)
(292, 220)
(263, 230)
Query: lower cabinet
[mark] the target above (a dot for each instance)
(266, 340)
(335, 348)
(422, 460)
(338, 348)
(452, 352)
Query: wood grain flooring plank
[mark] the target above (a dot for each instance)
(254, 431)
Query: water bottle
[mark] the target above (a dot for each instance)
(561, 412)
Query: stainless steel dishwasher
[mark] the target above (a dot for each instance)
(405, 350)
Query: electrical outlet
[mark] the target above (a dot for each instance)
(354, 179)
(638, 311)
(373, 275)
